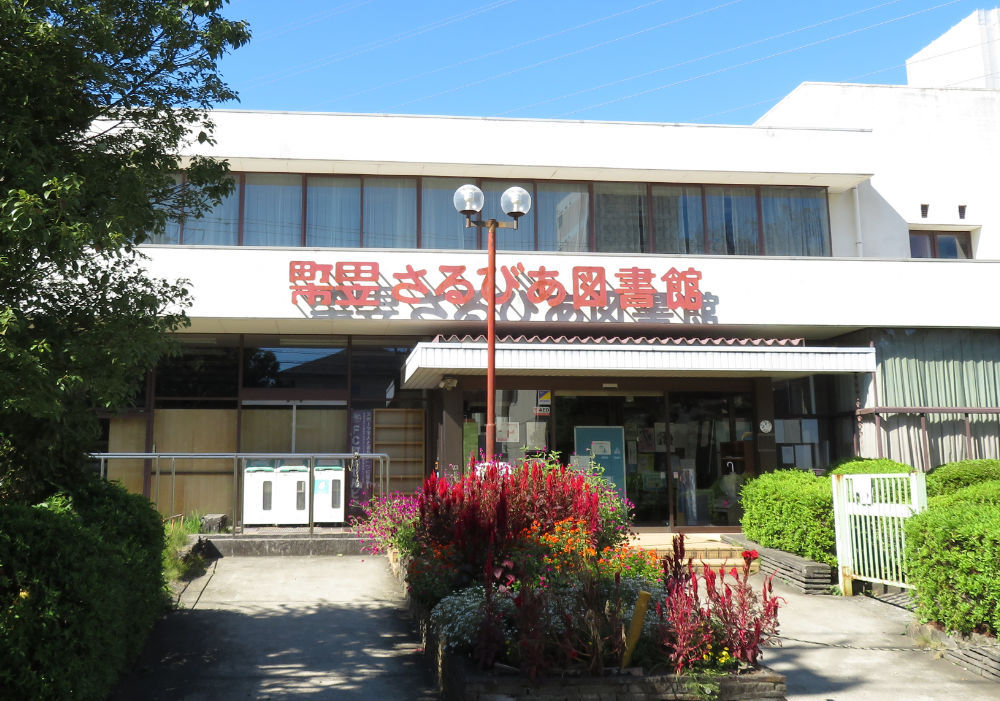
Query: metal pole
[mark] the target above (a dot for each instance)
(156, 497)
(491, 416)
(968, 438)
(236, 481)
(926, 442)
(173, 483)
(312, 488)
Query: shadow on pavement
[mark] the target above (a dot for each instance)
(274, 651)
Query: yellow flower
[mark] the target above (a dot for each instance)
(24, 594)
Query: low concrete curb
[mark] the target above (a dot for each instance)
(268, 546)
(805, 576)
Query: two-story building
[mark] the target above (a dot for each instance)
(683, 301)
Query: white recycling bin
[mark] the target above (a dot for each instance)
(258, 493)
(291, 492)
(328, 492)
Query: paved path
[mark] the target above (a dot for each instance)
(336, 628)
(829, 673)
(284, 628)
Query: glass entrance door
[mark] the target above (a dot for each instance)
(643, 418)
(711, 455)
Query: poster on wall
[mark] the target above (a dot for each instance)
(361, 442)
(508, 431)
(535, 439)
(606, 445)
(647, 440)
(660, 433)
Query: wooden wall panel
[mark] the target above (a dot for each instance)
(321, 431)
(204, 494)
(195, 431)
(127, 434)
(267, 430)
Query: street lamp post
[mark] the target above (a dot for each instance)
(515, 203)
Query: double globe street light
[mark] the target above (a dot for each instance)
(515, 203)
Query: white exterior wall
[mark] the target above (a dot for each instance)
(247, 290)
(543, 149)
(930, 146)
(966, 56)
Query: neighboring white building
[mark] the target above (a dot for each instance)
(691, 300)
(966, 56)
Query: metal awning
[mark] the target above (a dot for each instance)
(430, 362)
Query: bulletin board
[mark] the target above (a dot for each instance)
(607, 446)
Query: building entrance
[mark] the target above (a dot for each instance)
(686, 453)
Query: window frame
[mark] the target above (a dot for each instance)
(964, 240)
(646, 246)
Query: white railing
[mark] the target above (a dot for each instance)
(380, 479)
(869, 514)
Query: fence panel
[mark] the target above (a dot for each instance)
(869, 513)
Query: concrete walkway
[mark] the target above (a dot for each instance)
(845, 667)
(284, 628)
(336, 628)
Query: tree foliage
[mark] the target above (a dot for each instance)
(98, 97)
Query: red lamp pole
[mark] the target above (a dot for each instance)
(515, 202)
(491, 341)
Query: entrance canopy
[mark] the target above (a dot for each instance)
(429, 363)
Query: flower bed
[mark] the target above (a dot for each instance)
(527, 575)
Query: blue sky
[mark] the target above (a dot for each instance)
(717, 61)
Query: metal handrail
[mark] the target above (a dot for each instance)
(382, 461)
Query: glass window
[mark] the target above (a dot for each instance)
(218, 227)
(376, 366)
(171, 234)
(677, 219)
(563, 212)
(620, 217)
(284, 364)
(520, 239)
(732, 220)
(272, 211)
(440, 225)
(952, 246)
(921, 245)
(199, 370)
(390, 212)
(333, 212)
(941, 244)
(795, 221)
(172, 229)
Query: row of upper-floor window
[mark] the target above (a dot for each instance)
(366, 211)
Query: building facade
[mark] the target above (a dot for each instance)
(688, 304)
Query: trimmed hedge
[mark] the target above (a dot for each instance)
(953, 560)
(80, 588)
(870, 466)
(985, 493)
(791, 510)
(949, 478)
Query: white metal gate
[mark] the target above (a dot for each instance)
(869, 512)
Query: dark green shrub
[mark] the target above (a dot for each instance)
(953, 561)
(80, 587)
(869, 466)
(957, 475)
(791, 510)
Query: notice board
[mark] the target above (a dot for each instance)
(607, 446)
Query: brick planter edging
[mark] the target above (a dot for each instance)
(458, 680)
(979, 654)
(804, 576)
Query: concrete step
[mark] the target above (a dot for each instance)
(276, 545)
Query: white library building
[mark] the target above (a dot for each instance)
(681, 302)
